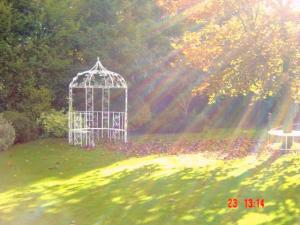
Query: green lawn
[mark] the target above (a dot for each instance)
(49, 182)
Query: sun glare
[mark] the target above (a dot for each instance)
(296, 5)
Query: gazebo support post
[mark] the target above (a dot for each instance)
(126, 109)
(70, 121)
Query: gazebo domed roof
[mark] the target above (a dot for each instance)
(98, 77)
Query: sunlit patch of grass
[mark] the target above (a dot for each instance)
(255, 218)
(62, 184)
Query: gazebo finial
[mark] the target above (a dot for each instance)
(99, 65)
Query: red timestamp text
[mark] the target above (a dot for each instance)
(248, 203)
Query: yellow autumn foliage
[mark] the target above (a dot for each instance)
(243, 47)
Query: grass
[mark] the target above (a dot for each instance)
(49, 182)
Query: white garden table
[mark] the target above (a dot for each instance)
(285, 135)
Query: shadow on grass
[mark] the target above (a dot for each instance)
(25, 164)
(162, 190)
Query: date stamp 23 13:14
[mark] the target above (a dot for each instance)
(248, 203)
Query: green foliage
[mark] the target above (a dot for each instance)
(43, 44)
(38, 101)
(54, 123)
(36, 45)
(7, 134)
(26, 130)
(140, 117)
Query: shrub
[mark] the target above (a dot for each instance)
(26, 130)
(7, 134)
(54, 123)
(38, 100)
(140, 117)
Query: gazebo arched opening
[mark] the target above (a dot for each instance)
(97, 107)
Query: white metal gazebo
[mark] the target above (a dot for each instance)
(91, 98)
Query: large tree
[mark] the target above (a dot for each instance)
(37, 45)
(243, 46)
